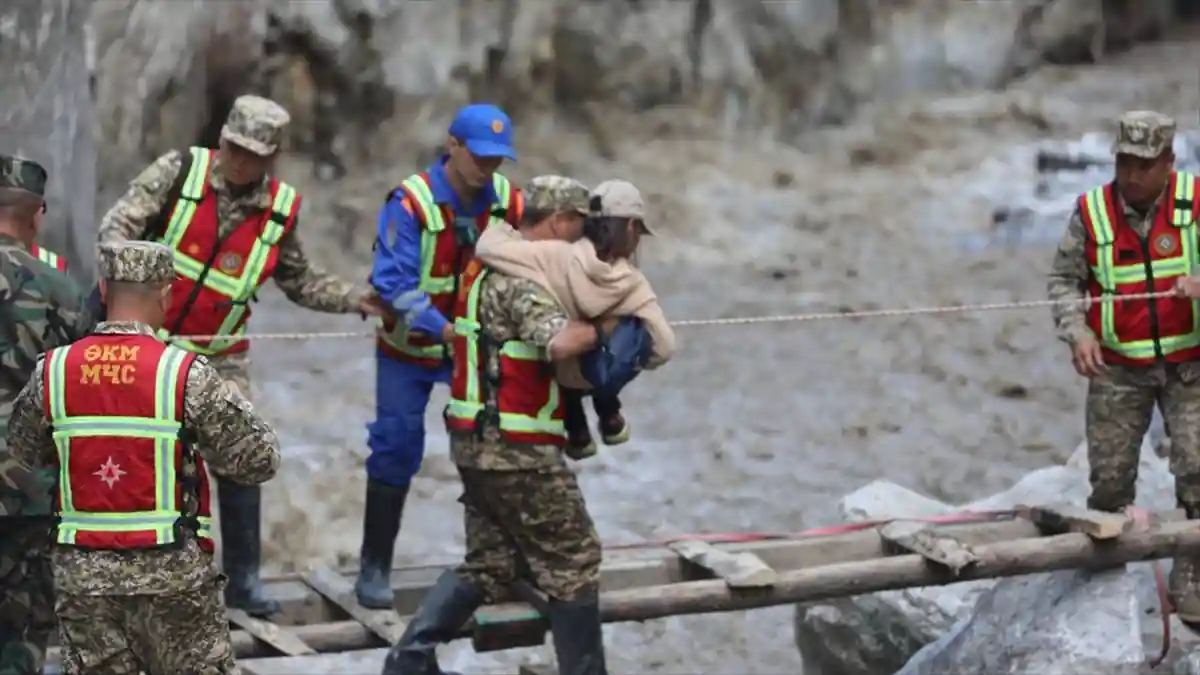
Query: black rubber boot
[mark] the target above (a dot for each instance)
(381, 523)
(241, 547)
(578, 640)
(443, 612)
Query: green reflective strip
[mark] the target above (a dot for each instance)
(189, 197)
(1105, 269)
(163, 429)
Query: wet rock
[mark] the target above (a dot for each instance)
(881, 632)
(1066, 621)
(1188, 665)
(47, 115)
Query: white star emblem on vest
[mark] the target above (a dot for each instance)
(109, 472)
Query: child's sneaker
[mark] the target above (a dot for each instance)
(614, 430)
(580, 445)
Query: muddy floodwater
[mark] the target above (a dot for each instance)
(758, 427)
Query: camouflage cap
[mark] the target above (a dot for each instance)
(622, 199)
(256, 124)
(136, 262)
(1144, 133)
(556, 193)
(23, 174)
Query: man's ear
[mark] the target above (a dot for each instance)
(103, 284)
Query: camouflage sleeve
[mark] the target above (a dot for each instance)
(1068, 279)
(28, 439)
(534, 313)
(145, 197)
(231, 437)
(310, 286)
(72, 313)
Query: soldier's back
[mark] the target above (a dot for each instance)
(40, 309)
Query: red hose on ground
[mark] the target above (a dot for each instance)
(1160, 583)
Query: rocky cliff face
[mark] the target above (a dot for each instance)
(367, 79)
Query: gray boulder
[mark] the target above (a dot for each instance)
(880, 632)
(1060, 623)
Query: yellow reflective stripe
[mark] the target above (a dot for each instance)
(1185, 193)
(47, 256)
(189, 197)
(56, 378)
(1105, 269)
(163, 429)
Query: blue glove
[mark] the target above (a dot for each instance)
(619, 357)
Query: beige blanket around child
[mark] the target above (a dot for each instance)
(588, 288)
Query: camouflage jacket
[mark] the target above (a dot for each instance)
(1070, 274)
(510, 309)
(231, 437)
(41, 308)
(303, 283)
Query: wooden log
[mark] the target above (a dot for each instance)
(646, 567)
(739, 569)
(920, 538)
(335, 587)
(282, 639)
(1059, 518)
(1003, 559)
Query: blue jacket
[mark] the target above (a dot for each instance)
(396, 271)
(618, 358)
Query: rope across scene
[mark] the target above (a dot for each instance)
(778, 318)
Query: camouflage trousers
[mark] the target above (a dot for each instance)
(26, 593)
(529, 524)
(173, 633)
(235, 370)
(1120, 407)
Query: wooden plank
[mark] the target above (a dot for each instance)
(998, 560)
(281, 639)
(738, 570)
(385, 623)
(922, 539)
(1059, 518)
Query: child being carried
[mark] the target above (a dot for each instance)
(591, 277)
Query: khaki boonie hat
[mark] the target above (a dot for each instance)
(620, 199)
(136, 262)
(256, 124)
(1144, 133)
(556, 193)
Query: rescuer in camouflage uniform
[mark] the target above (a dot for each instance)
(157, 610)
(250, 142)
(525, 515)
(1121, 397)
(40, 309)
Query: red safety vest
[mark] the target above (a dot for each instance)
(1138, 332)
(529, 402)
(115, 405)
(245, 260)
(442, 260)
(49, 257)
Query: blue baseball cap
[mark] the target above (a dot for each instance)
(485, 129)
